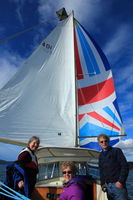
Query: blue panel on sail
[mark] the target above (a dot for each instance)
(93, 130)
(92, 145)
(100, 52)
(89, 57)
(95, 145)
(117, 108)
(112, 114)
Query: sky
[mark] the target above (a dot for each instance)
(109, 22)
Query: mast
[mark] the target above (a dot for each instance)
(76, 93)
(62, 15)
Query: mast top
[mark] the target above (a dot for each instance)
(62, 14)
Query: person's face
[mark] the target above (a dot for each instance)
(68, 174)
(33, 145)
(103, 143)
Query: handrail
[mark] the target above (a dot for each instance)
(7, 191)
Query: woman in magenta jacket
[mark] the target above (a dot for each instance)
(72, 189)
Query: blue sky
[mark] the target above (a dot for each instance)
(110, 23)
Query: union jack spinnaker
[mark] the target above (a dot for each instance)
(97, 104)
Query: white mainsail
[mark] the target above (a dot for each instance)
(40, 99)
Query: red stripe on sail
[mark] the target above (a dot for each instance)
(80, 116)
(77, 59)
(102, 119)
(95, 92)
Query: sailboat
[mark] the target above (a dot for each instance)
(63, 93)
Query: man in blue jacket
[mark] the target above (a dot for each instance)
(113, 170)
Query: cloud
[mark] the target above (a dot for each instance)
(81, 8)
(127, 148)
(119, 52)
(45, 9)
(124, 144)
(19, 7)
(117, 45)
(126, 74)
(129, 123)
(9, 63)
(125, 107)
(124, 82)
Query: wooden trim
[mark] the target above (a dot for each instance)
(46, 193)
(94, 191)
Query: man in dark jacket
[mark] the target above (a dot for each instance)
(113, 170)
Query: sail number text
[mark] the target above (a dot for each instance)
(48, 46)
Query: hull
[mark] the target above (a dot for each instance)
(51, 193)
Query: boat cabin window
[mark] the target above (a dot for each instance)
(48, 171)
(82, 168)
(53, 170)
(94, 171)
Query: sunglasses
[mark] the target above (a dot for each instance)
(67, 172)
(103, 141)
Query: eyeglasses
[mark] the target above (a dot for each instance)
(67, 172)
(103, 141)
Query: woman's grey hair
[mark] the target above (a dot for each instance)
(34, 138)
(103, 136)
(69, 164)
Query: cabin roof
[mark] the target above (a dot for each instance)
(54, 154)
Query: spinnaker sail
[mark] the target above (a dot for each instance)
(97, 104)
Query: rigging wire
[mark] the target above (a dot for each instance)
(25, 30)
